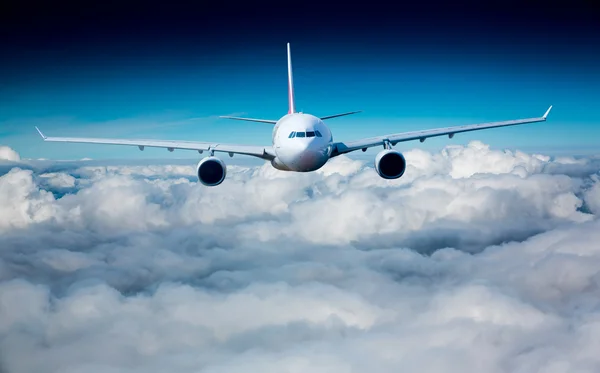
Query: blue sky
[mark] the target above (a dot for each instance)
(160, 90)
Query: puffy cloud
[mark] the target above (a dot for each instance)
(475, 260)
(592, 195)
(8, 154)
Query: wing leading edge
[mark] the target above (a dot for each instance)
(264, 152)
(393, 139)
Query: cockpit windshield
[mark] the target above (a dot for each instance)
(305, 134)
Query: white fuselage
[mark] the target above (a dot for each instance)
(302, 143)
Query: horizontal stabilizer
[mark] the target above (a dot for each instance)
(251, 119)
(340, 115)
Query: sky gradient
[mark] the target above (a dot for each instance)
(143, 70)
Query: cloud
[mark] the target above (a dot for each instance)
(8, 154)
(475, 260)
(592, 195)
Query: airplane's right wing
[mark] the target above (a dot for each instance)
(393, 139)
(264, 152)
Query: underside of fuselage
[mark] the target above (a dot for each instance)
(279, 165)
(303, 164)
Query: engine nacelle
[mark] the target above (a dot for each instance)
(390, 164)
(211, 171)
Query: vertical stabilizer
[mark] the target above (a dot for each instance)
(291, 102)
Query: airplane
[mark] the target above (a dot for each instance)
(300, 142)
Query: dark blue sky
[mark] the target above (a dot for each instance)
(143, 69)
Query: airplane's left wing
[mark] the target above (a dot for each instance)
(264, 152)
(393, 139)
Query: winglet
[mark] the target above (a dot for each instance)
(41, 134)
(547, 112)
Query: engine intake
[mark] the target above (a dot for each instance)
(211, 171)
(390, 164)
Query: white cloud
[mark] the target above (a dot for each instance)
(592, 195)
(8, 154)
(22, 203)
(476, 260)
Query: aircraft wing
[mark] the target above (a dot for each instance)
(264, 152)
(393, 139)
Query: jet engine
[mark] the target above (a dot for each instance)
(390, 164)
(211, 171)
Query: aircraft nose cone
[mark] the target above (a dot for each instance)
(310, 156)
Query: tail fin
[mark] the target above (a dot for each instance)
(291, 102)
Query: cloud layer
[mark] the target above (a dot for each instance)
(8, 154)
(476, 260)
